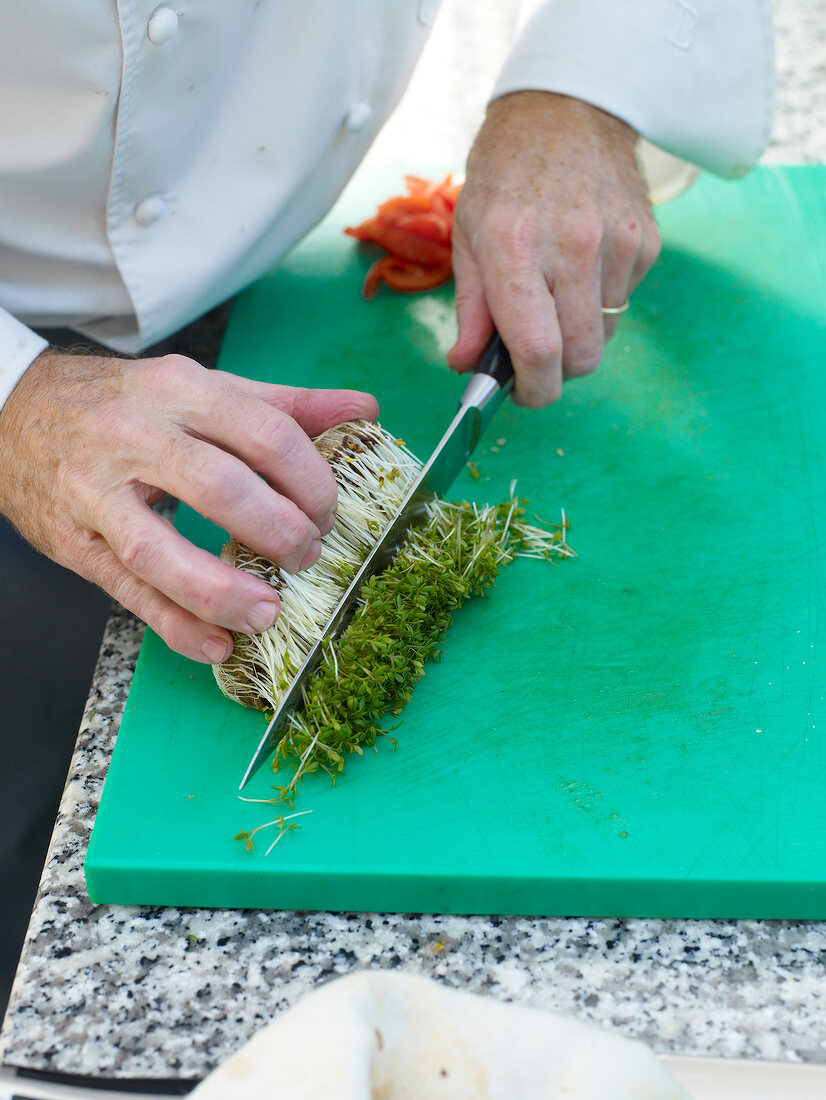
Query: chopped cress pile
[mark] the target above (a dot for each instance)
(415, 230)
(402, 614)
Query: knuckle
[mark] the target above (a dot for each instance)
(164, 623)
(587, 234)
(280, 439)
(277, 436)
(582, 352)
(535, 348)
(174, 367)
(324, 492)
(628, 239)
(209, 602)
(537, 396)
(176, 627)
(292, 534)
(513, 234)
(651, 245)
(219, 484)
(170, 376)
(138, 550)
(585, 363)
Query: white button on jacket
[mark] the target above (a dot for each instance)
(162, 25)
(357, 117)
(149, 210)
(154, 160)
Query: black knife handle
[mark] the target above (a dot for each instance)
(496, 361)
(487, 388)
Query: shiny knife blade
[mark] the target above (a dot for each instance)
(484, 393)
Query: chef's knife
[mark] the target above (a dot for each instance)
(484, 393)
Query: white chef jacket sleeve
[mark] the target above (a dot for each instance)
(695, 77)
(19, 347)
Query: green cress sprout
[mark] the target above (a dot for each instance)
(402, 615)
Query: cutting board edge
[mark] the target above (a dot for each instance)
(112, 884)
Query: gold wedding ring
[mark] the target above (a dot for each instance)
(611, 311)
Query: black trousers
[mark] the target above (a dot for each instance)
(51, 623)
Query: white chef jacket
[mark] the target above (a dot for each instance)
(156, 159)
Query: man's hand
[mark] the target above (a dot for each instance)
(552, 224)
(88, 445)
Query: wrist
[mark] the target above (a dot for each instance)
(559, 112)
(19, 347)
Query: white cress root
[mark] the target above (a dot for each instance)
(373, 471)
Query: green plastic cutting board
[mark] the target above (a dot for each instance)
(639, 731)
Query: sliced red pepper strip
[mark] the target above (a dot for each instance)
(410, 246)
(446, 189)
(411, 277)
(416, 230)
(449, 191)
(416, 185)
(363, 232)
(372, 279)
(404, 276)
(440, 206)
(404, 204)
(429, 225)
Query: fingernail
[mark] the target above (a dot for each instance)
(216, 650)
(262, 615)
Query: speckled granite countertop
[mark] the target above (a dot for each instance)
(150, 992)
(168, 993)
